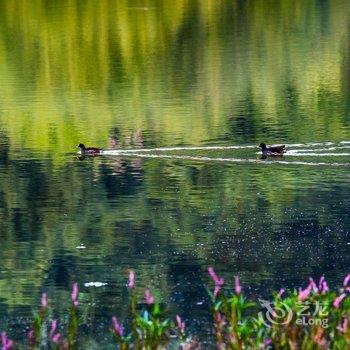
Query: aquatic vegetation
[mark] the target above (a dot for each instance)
(310, 318)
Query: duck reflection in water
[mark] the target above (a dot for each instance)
(115, 170)
(133, 140)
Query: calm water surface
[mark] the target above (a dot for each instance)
(176, 84)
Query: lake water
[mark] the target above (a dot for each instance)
(178, 94)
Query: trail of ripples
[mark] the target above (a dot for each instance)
(209, 148)
(232, 160)
(308, 150)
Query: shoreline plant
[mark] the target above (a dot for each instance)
(313, 318)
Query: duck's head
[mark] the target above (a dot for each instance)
(262, 146)
(81, 146)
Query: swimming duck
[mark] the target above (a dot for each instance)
(89, 150)
(272, 151)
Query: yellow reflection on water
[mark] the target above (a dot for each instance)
(184, 70)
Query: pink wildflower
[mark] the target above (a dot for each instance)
(325, 288)
(212, 274)
(313, 285)
(149, 297)
(117, 327)
(303, 294)
(218, 281)
(343, 327)
(268, 342)
(219, 319)
(131, 282)
(217, 289)
(75, 293)
(43, 301)
(346, 280)
(56, 338)
(320, 282)
(231, 338)
(53, 328)
(281, 292)
(238, 287)
(31, 337)
(180, 324)
(7, 344)
(337, 301)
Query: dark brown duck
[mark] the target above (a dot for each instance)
(89, 150)
(273, 150)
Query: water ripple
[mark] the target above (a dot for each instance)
(232, 160)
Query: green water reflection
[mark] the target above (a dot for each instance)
(135, 74)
